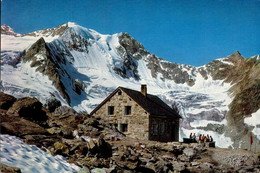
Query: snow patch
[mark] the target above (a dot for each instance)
(254, 120)
(29, 158)
(223, 60)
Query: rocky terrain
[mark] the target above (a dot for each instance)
(80, 67)
(95, 145)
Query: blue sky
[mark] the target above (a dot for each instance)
(192, 32)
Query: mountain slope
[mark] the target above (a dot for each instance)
(80, 67)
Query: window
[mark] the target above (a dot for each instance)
(119, 92)
(127, 110)
(123, 127)
(116, 125)
(155, 129)
(162, 127)
(110, 110)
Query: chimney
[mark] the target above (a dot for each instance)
(144, 90)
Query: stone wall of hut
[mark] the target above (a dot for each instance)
(137, 121)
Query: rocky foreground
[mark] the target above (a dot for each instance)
(93, 143)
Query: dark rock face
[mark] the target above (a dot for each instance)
(17, 126)
(40, 56)
(52, 104)
(131, 51)
(172, 71)
(77, 42)
(28, 108)
(132, 46)
(6, 101)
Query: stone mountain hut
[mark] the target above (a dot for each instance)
(139, 115)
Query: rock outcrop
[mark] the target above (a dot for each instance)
(95, 145)
(6, 101)
(8, 169)
(40, 56)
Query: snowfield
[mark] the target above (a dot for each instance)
(29, 158)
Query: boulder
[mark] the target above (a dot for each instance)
(40, 140)
(98, 170)
(6, 101)
(54, 130)
(179, 166)
(84, 170)
(28, 108)
(67, 132)
(62, 110)
(60, 148)
(105, 149)
(52, 104)
(189, 152)
(91, 122)
(8, 169)
(17, 126)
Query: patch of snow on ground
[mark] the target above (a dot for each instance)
(254, 120)
(30, 158)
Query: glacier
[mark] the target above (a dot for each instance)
(91, 59)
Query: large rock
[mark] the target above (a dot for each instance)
(61, 110)
(105, 149)
(52, 104)
(28, 108)
(17, 126)
(61, 148)
(190, 152)
(8, 169)
(6, 101)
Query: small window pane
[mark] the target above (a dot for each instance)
(162, 127)
(110, 110)
(155, 129)
(127, 110)
(123, 127)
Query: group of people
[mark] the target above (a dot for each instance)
(201, 138)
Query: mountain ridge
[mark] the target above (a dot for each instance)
(85, 66)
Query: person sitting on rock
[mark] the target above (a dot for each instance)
(208, 139)
(211, 139)
(190, 135)
(194, 137)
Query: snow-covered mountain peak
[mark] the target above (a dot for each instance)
(81, 67)
(7, 30)
(72, 24)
